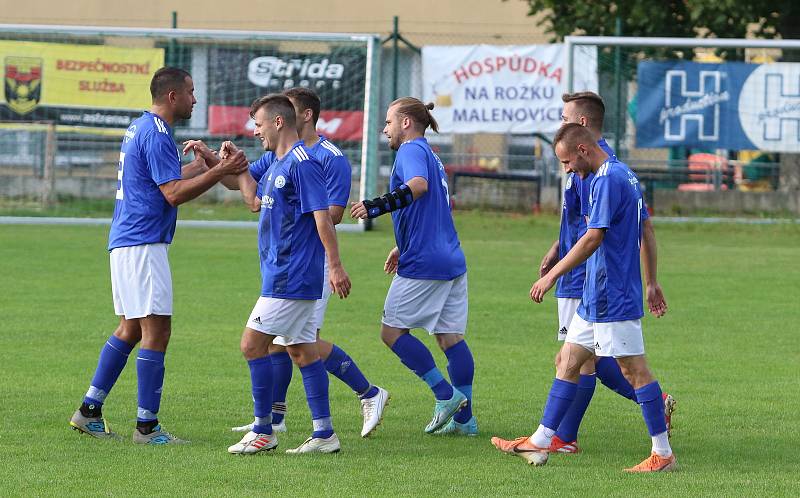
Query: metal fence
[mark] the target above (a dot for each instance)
(73, 91)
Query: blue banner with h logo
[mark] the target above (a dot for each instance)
(732, 106)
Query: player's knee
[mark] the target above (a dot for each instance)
(276, 348)
(390, 334)
(446, 341)
(569, 363)
(129, 333)
(251, 349)
(557, 360)
(303, 354)
(635, 372)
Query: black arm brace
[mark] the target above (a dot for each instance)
(394, 200)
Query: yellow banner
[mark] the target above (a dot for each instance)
(83, 76)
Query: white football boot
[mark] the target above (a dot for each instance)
(372, 409)
(253, 442)
(318, 445)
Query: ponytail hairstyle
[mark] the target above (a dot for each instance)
(418, 112)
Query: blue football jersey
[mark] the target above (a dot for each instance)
(259, 167)
(337, 170)
(334, 164)
(424, 231)
(574, 210)
(606, 148)
(613, 288)
(291, 252)
(148, 158)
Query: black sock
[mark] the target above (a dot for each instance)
(146, 427)
(92, 410)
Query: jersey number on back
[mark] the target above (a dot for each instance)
(119, 175)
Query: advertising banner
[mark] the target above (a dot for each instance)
(734, 106)
(88, 85)
(237, 77)
(502, 89)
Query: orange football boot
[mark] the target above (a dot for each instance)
(523, 448)
(559, 446)
(655, 463)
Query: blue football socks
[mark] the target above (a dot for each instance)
(150, 370)
(418, 358)
(315, 381)
(282, 369)
(652, 403)
(261, 377)
(345, 369)
(113, 358)
(461, 369)
(562, 393)
(568, 428)
(610, 375)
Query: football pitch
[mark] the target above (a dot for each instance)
(728, 350)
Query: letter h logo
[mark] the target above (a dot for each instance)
(786, 105)
(686, 105)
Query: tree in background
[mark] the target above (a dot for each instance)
(689, 18)
(674, 18)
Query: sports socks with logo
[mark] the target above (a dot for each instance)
(610, 375)
(570, 423)
(261, 376)
(281, 378)
(150, 372)
(113, 358)
(315, 381)
(561, 395)
(414, 355)
(345, 369)
(652, 404)
(461, 369)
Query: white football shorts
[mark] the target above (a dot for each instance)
(141, 282)
(320, 305)
(292, 319)
(567, 306)
(438, 306)
(615, 339)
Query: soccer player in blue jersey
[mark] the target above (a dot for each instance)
(608, 320)
(151, 185)
(295, 234)
(338, 363)
(586, 109)
(429, 289)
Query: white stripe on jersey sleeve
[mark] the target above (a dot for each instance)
(332, 148)
(159, 125)
(297, 154)
(303, 156)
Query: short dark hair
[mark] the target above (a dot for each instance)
(590, 105)
(167, 79)
(276, 104)
(418, 112)
(307, 98)
(571, 134)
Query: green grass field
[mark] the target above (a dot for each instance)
(728, 350)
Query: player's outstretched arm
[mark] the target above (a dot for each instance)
(178, 192)
(398, 198)
(656, 303)
(579, 253)
(339, 281)
(549, 260)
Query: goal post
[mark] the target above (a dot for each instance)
(89, 78)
